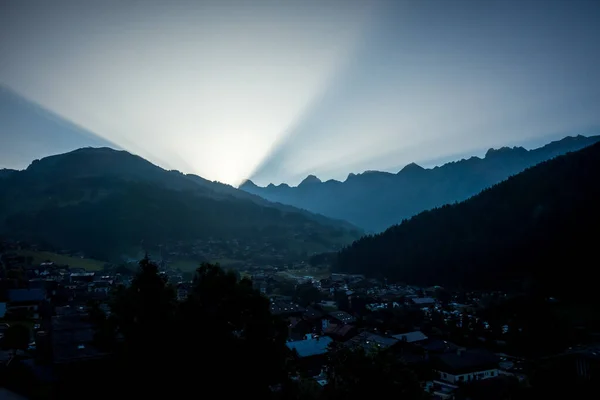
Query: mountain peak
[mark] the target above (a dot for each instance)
(504, 150)
(412, 167)
(247, 183)
(310, 180)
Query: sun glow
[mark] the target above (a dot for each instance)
(205, 91)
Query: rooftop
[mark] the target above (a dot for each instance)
(285, 307)
(312, 313)
(310, 347)
(342, 316)
(411, 337)
(424, 300)
(467, 361)
(369, 340)
(25, 295)
(338, 330)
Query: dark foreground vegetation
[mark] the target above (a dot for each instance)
(221, 342)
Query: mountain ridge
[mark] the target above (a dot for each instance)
(375, 200)
(108, 188)
(520, 234)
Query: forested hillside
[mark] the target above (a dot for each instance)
(537, 231)
(105, 203)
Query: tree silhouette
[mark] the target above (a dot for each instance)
(358, 372)
(216, 338)
(16, 337)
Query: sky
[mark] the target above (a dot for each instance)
(276, 90)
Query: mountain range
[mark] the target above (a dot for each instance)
(377, 200)
(536, 231)
(105, 202)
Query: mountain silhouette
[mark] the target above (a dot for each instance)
(104, 202)
(376, 200)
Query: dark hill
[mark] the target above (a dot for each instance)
(376, 200)
(106, 202)
(537, 230)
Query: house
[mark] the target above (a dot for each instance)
(499, 388)
(423, 301)
(298, 328)
(341, 317)
(438, 346)
(25, 302)
(286, 308)
(411, 337)
(82, 277)
(312, 313)
(371, 341)
(341, 332)
(314, 318)
(100, 286)
(466, 366)
(311, 352)
(328, 304)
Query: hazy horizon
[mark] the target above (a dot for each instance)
(274, 91)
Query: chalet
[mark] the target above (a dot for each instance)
(462, 367)
(311, 352)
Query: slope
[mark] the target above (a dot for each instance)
(104, 202)
(535, 231)
(376, 200)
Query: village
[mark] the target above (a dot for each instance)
(444, 337)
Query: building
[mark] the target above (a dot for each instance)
(341, 317)
(340, 332)
(423, 301)
(311, 352)
(25, 302)
(81, 277)
(371, 341)
(462, 366)
(285, 308)
(411, 337)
